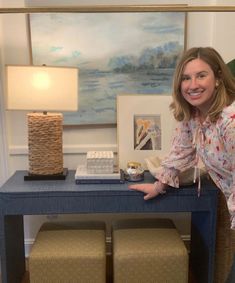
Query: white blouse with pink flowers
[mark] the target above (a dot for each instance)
(214, 144)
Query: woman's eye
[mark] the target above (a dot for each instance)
(185, 78)
(202, 75)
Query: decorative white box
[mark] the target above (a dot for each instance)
(100, 162)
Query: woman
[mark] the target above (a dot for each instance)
(204, 106)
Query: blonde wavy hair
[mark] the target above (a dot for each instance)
(225, 92)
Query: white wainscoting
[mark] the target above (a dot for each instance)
(68, 149)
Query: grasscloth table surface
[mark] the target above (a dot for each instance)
(19, 198)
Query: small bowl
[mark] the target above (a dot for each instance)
(134, 172)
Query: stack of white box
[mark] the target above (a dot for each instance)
(100, 162)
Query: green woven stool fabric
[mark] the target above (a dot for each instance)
(69, 253)
(148, 251)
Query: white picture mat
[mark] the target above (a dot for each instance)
(130, 105)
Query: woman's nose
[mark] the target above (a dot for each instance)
(193, 83)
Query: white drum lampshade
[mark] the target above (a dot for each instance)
(43, 88)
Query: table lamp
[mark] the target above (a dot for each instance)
(43, 88)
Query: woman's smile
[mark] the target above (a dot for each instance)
(195, 94)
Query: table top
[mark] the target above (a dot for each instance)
(16, 185)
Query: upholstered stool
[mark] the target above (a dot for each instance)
(148, 250)
(69, 253)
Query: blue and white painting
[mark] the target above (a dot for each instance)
(116, 53)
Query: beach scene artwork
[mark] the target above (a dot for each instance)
(116, 53)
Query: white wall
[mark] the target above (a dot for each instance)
(203, 29)
(223, 32)
(3, 140)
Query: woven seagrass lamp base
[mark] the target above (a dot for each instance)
(45, 147)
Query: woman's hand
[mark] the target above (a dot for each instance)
(150, 190)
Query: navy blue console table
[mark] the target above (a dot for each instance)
(19, 198)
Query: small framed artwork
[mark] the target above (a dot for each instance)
(145, 126)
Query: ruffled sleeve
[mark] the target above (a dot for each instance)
(181, 157)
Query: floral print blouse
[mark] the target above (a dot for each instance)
(214, 144)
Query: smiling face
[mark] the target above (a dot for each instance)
(198, 85)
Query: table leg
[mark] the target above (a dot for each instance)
(202, 253)
(12, 248)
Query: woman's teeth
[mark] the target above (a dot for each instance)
(194, 93)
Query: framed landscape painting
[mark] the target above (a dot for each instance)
(131, 52)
